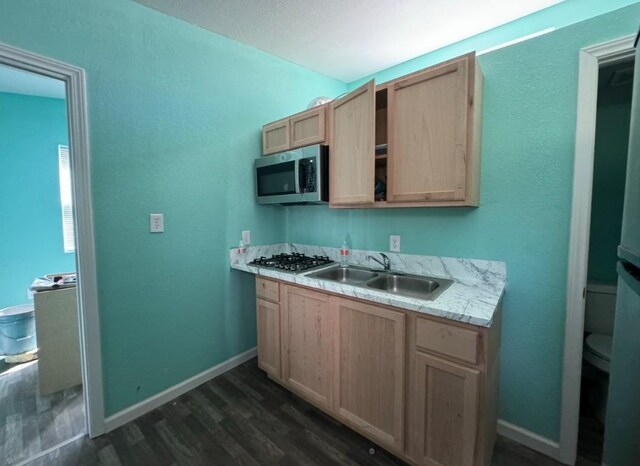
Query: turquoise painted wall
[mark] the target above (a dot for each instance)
(175, 115)
(528, 136)
(610, 164)
(31, 229)
(558, 16)
(175, 118)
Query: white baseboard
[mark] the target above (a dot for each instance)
(132, 412)
(529, 439)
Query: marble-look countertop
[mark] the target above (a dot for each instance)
(473, 297)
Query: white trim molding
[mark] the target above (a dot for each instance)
(133, 412)
(529, 439)
(78, 121)
(591, 59)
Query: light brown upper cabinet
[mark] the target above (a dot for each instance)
(276, 137)
(434, 135)
(351, 147)
(426, 127)
(308, 127)
(418, 136)
(299, 130)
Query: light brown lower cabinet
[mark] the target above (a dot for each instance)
(369, 371)
(424, 388)
(447, 397)
(268, 321)
(308, 334)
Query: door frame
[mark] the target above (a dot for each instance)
(591, 59)
(78, 126)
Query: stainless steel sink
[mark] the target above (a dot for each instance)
(350, 275)
(410, 285)
(414, 286)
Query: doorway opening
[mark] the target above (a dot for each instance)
(40, 368)
(596, 216)
(613, 119)
(88, 332)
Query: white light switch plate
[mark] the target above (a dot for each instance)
(394, 243)
(156, 223)
(246, 237)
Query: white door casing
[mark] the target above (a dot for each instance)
(88, 316)
(591, 59)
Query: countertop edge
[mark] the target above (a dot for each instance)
(434, 308)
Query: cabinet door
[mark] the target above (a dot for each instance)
(352, 147)
(308, 339)
(268, 319)
(308, 128)
(428, 134)
(370, 360)
(275, 137)
(446, 417)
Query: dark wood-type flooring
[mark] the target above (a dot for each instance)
(239, 418)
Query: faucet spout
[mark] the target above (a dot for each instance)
(385, 262)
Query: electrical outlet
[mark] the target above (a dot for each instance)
(246, 237)
(156, 223)
(394, 243)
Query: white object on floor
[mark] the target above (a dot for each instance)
(22, 357)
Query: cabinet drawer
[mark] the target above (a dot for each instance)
(446, 339)
(268, 289)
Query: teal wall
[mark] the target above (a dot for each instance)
(31, 228)
(175, 114)
(610, 164)
(528, 137)
(558, 16)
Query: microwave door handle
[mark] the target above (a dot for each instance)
(296, 175)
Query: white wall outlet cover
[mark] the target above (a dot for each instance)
(246, 237)
(156, 223)
(394, 243)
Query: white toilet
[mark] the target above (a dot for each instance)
(598, 324)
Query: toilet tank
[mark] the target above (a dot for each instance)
(600, 308)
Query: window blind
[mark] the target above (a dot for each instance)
(66, 199)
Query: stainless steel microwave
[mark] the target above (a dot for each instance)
(299, 176)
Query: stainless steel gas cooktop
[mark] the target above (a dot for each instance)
(294, 262)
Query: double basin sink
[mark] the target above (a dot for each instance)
(413, 286)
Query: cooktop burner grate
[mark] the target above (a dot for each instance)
(294, 262)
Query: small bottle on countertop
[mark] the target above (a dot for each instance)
(241, 247)
(344, 254)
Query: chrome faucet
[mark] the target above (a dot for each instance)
(385, 262)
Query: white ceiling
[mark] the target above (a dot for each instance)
(16, 81)
(348, 40)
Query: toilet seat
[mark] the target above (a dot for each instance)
(597, 351)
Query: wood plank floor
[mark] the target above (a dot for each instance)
(29, 423)
(242, 418)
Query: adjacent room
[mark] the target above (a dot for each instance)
(40, 374)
